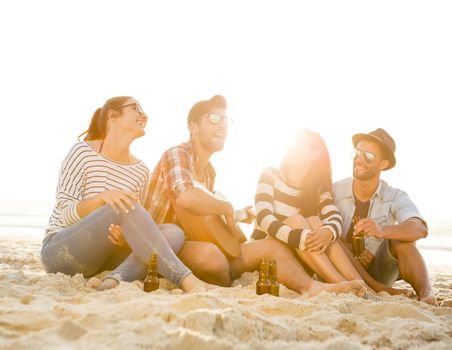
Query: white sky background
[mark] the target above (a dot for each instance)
(336, 67)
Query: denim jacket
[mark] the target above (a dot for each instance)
(388, 206)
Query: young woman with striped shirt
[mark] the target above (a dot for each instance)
(99, 194)
(294, 204)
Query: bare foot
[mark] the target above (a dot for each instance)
(370, 291)
(97, 283)
(370, 295)
(446, 303)
(357, 287)
(191, 283)
(398, 291)
(108, 283)
(94, 283)
(428, 297)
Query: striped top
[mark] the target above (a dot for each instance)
(84, 174)
(276, 201)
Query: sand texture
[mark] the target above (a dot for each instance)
(56, 311)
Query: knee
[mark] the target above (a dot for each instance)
(135, 215)
(399, 248)
(207, 262)
(174, 236)
(274, 247)
(297, 222)
(213, 260)
(139, 210)
(314, 222)
(335, 245)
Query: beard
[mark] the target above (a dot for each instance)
(369, 173)
(211, 144)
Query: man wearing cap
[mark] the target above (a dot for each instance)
(175, 181)
(390, 221)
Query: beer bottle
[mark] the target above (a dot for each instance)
(151, 282)
(263, 283)
(274, 285)
(358, 241)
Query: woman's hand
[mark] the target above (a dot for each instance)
(116, 237)
(119, 200)
(318, 240)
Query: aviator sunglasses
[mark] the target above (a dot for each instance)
(216, 119)
(367, 156)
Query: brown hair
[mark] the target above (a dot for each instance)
(98, 125)
(203, 107)
(318, 178)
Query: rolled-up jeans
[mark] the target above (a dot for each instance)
(85, 248)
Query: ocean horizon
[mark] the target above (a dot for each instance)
(29, 218)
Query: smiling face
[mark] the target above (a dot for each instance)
(300, 153)
(211, 136)
(369, 160)
(130, 118)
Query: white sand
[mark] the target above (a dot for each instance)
(56, 311)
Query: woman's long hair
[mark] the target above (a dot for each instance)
(318, 178)
(97, 129)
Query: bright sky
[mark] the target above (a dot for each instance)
(336, 67)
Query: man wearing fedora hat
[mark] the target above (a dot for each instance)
(184, 178)
(389, 219)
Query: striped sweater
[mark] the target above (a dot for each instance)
(84, 174)
(276, 201)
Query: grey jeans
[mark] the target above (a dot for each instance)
(85, 248)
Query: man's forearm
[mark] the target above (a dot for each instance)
(408, 231)
(201, 202)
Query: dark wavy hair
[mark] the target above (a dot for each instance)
(98, 126)
(318, 178)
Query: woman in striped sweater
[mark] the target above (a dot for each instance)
(100, 189)
(295, 205)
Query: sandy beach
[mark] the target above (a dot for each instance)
(57, 311)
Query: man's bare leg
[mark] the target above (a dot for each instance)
(371, 282)
(204, 259)
(290, 271)
(207, 262)
(413, 269)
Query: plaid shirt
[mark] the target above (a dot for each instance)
(172, 176)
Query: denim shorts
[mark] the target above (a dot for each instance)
(384, 268)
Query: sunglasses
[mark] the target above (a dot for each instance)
(216, 119)
(138, 108)
(368, 156)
